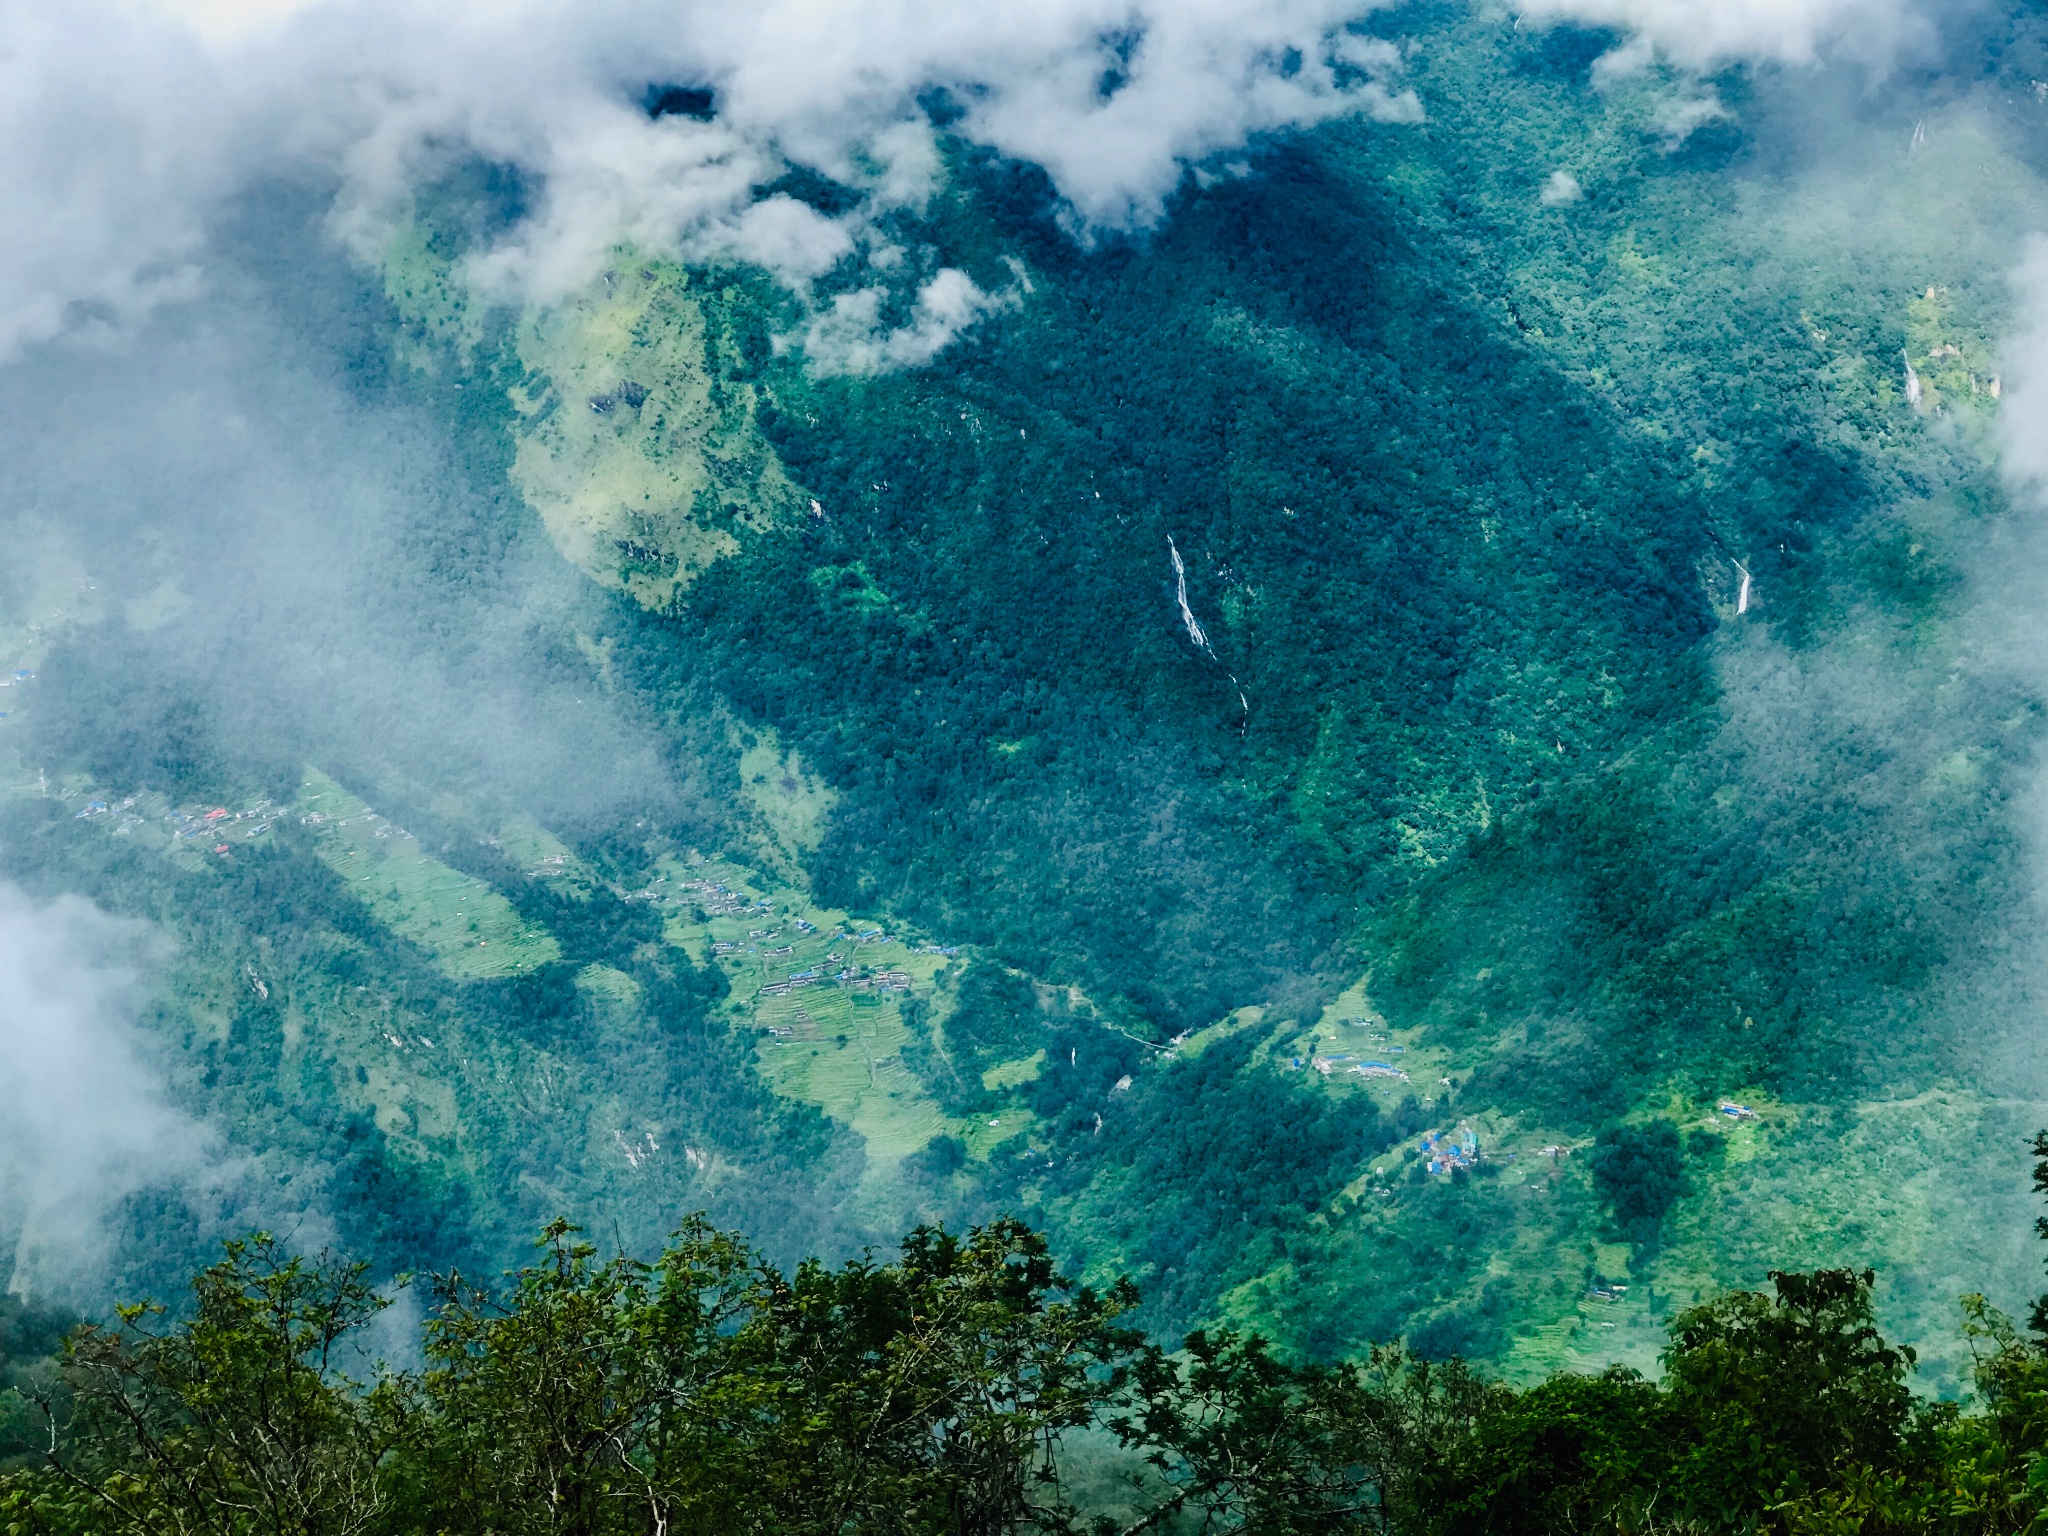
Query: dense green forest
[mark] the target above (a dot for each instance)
(968, 1386)
(1398, 758)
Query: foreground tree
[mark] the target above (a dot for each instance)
(708, 1393)
(969, 1389)
(235, 1421)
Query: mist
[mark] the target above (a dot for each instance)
(237, 547)
(264, 523)
(132, 126)
(84, 1118)
(1708, 34)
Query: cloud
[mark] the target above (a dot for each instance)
(2023, 413)
(104, 206)
(305, 527)
(850, 337)
(1677, 117)
(83, 1118)
(1707, 34)
(127, 123)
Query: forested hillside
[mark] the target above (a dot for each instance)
(1433, 750)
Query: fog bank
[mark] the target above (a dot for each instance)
(84, 1122)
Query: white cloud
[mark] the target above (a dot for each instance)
(1706, 34)
(1561, 187)
(83, 1119)
(2023, 410)
(127, 120)
(102, 204)
(224, 21)
(789, 237)
(849, 337)
(1677, 117)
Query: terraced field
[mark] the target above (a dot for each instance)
(471, 931)
(821, 991)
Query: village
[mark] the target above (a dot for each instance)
(1354, 1047)
(1450, 1151)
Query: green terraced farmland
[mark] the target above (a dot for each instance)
(471, 931)
(823, 1002)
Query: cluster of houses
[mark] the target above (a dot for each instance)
(1449, 1151)
(881, 981)
(854, 978)
(1328, 1064)
(216, 823)
(721, 901)
(1379, 1069)
(718, 899)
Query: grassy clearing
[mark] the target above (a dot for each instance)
(610, 984)
(1796, 1186)
(1930, 1189)
(1353, 1049)
(427, 1082)
(645, 467)
(1014, 1074)
(471, 931)
(546, 857)
(792, 803)
(1807, 1186)
(642, 469)
(1200, 1040)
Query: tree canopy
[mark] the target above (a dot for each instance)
(966, 1386)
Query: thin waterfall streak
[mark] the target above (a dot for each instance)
(1197, 634)
(1187, 614)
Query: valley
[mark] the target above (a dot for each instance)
(1263, 755)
